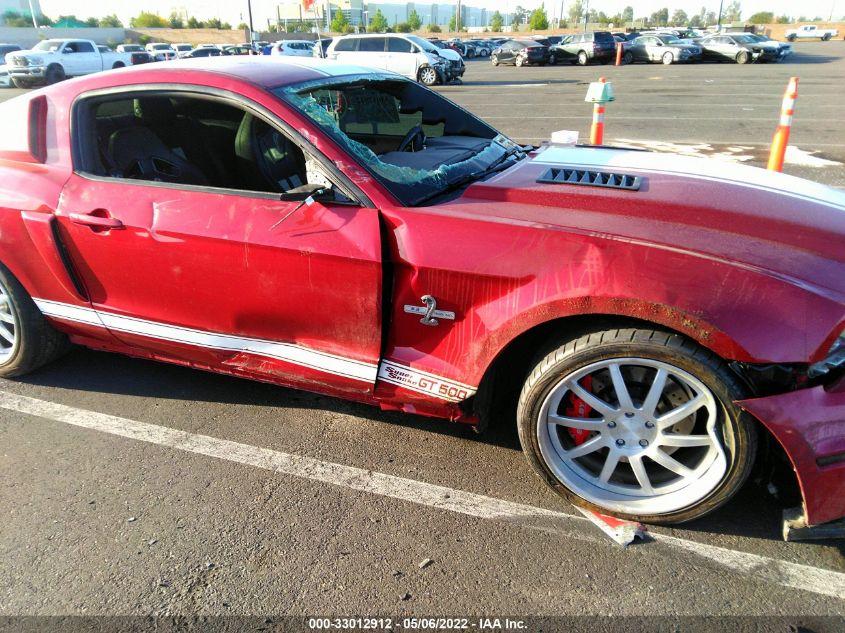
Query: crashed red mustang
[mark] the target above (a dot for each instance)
(649, 322)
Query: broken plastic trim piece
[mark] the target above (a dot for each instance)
(795, 527)
(572, 176)
(835, 360)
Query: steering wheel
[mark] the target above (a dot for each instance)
(414, 140)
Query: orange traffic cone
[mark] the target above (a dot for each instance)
(781, 137)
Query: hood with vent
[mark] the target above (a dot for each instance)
(698, 205)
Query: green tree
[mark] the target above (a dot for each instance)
(110, 21)
(695, 22)
(403, 27)
(213, 23)
(434, 28)
(660, 17)
(679, 18)
(576, 11)
(710, 18)
(243, 26)
(519, 16)
(147, 20)
(414, 20)
(339, 22)
(175, 20)
(92, 22)
(762, 17)
(783, 19)
(733, 12)
(453, 23)
(496, 22)
(226, 26)
(628, 14)
(539, 20)
(193, 23)
(378, 23)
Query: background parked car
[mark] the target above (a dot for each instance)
(627, 58)
(666, 49)
(293, 48)
(161, 51)
(202, 52)
(738, 47)
(521, 53)
(483, 48)
(5, 79)
(182, 49)
(582, 48)
(407, 55)
(811, 31)
(53, 60)
(239, 49)
(5, 49)
(784, 49)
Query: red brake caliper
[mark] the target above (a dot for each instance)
(577, 408)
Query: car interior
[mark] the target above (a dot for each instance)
(193, 141)
(403, 124)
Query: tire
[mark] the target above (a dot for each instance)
(583, 60)
(790, 38)
(742, 57)
(519, 62)
(118, 65)
(826, 37)
(726, 449)
(23, 84)
(55, 74)
(427, 76)
(36, 343)
(628, 58)
(667, 58)
(494, 60)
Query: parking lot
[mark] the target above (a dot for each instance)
(135, 488)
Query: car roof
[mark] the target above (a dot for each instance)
(263, 71)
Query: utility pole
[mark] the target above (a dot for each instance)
(586, 13)
(719, 20)
(458, 16)
(251, 31)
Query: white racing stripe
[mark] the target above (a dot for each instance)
(295, 354)
(820, 581)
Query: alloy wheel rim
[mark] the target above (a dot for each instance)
(9, 328)
(645, 439)
(428, 76)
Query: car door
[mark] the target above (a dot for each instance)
(372, 52)
(401, 57)
(86, 59)
(224, 278)
(639, 49)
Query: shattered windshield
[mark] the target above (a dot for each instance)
(415, 142)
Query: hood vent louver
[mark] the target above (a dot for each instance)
(571, 176)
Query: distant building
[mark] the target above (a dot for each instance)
(359, 12)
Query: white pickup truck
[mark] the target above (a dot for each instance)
(810, 31)
(50, 61)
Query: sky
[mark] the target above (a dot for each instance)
(235, 11)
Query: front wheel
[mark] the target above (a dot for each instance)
(639, 424)
(790, 38)
(520, 61)
(743, 57)
(667, 58)
(428, 76)
(494, 60)
(826, 37)
(628, 58)
(582, 58)
(23, 84)
(55, 74)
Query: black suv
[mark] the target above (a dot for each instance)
(582, 48)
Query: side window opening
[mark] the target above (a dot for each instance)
(191, 141)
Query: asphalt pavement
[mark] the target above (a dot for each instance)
(136, 488)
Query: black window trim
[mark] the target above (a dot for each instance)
(79, 107)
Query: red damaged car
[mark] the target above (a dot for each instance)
(649, 322)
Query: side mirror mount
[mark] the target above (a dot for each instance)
(303, 192)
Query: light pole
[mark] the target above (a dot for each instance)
(32, 15)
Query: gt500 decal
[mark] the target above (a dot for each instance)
(423, 382)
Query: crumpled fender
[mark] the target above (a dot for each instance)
(810, 426)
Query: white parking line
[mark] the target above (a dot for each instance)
(787, 574)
